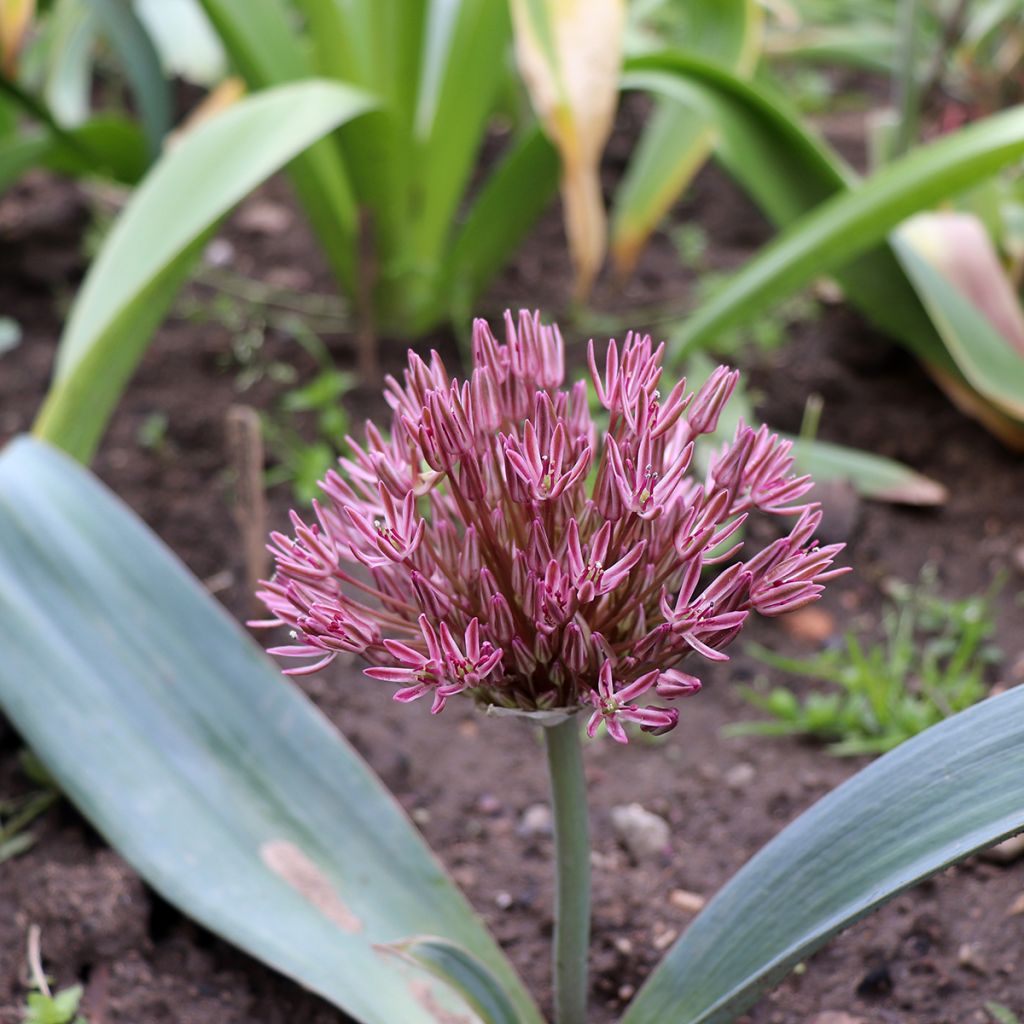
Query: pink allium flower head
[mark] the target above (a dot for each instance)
(500, 545)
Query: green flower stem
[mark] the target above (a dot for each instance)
(572, 886)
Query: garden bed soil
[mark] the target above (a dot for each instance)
(934, 955)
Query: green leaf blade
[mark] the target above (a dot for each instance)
(149, 253)
(142, 67)
(461, 970)
(676, 141)
(932, 801)
(983, 354)
(219, 781)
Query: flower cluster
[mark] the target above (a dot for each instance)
(499, 544)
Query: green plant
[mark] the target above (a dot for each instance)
(302, 462)
(17, 815)
(1001, 1014)
(231, 795)
(44, 1006)
(931, 663)
(49, 114)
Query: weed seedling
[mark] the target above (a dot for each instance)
(931, 663)
(44, 1006)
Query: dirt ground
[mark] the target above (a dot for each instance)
(933, 956)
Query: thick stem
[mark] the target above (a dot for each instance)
(572, 886)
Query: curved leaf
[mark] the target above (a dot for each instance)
(676, 141)
(262, 42)
(218, 781)
(940, 796)
(569, 55)
(871, 476)
(142, 67)
(848, 225)
(514, 195)
(150, 251)
(985, 355)
(461, 970)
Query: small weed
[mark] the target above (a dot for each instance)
(931, 663)
(152, 432)
(17, 815)
(44, 1006)
(691, 244)
(1001, 1014)
(300, 461)
(305, 431)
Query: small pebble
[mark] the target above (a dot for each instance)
(623, 945)
(219, 253)
(1018, 557)
(489, 804)
(421, 815)
(842, 506)
(687, 902)
(835, 1017)
(535, 821)
(503, 900)
(262, 217)
(663, 939)
(465, 876)
(626, 993)
(1017, 907)
(741, 775)
(967, 956)
(811, 626)
(603, 861)
(642, 833)
(1005, 852)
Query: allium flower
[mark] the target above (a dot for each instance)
(499, 544)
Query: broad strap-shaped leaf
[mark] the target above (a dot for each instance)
(569, 53)
(518, 190)
(940, 796)
(461, 970)
(951, 261)
(871, 476)
(151, 249)
(676, 140)
(109, 146)
(870, 47)
(368, 44)
(263, 42)
(15, 19)
(852, 223)
(465, 62)
(189, 752)
(142, 67)
(790, 173)
(19, 153)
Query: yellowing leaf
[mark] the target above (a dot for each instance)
(225, 95)
(959, 247)
(570, 53)
(15, 17)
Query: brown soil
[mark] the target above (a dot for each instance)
(933, 956)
